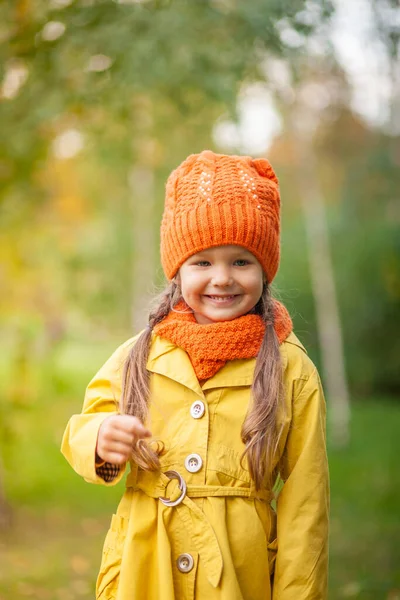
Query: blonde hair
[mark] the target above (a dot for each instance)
(260, 432)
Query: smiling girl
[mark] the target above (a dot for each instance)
(221, 283)
(218, 400)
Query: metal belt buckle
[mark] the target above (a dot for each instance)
(182, 487)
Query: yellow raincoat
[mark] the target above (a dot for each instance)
(221, 540)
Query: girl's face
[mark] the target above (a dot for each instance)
(221, 284)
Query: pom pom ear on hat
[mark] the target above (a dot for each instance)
(264, 168)
(208, 157)
(216, 199)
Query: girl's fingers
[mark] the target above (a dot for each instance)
(120, 448)
(117, 435)
(121, 437)
(115, 458)
(131, 425)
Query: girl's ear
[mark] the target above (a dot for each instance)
(177, 279)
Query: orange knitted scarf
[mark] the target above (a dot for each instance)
(210, 346)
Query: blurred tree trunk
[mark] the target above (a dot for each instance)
(322, 278)
(18, 397)
(143, 194)
(5, 508)
(394, 119)
(142, 183)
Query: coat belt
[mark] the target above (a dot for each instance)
(155, 485)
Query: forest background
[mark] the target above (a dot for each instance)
(100, 100)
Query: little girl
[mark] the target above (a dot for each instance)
(218, 399)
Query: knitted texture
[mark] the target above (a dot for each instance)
(215, 200)
(107, 471)
(210, 346)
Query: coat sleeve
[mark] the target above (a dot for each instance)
(101, 400)
(301, 569)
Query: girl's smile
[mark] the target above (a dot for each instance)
(221, 283)
(223, 299)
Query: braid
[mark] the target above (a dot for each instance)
(135, 379)
(260, 431)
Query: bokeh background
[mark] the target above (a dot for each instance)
(99, 101)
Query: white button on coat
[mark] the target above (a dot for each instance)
(193, 463)
(197, 409)
(185, 563)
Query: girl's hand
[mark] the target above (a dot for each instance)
(116, 437)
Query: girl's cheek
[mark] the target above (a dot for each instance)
(194, 280)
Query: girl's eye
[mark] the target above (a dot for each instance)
(202, 263)
(241, 262)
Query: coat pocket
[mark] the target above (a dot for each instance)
(108, 578)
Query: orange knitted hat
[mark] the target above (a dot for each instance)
(217, 200)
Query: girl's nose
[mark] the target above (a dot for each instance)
(221, 277)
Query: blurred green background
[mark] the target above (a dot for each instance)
(99, 101)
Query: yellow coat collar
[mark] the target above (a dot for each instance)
(167, 359)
